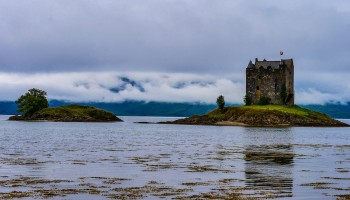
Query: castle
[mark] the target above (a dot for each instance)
(268, 79)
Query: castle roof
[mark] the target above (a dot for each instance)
(250, 65)
(265, 64)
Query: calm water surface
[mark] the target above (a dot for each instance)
(152, 161)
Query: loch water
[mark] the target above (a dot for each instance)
(124, 160)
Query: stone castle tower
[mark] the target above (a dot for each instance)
(266, 79)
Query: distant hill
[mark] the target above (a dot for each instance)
(8, 108)
(140, 108)
(334, 110)
(129, 108)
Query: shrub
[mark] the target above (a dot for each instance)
(264, 100)
(247, 100)
(220, 101)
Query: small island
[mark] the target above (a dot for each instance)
(269, 101)
(70, 113)
(262, 116)
(34, 106)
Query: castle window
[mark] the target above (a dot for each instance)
(259, 77)
(257, 87)
(275, 85)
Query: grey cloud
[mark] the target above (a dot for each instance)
(125, 83)
(200, 36)
(83, 84)
(182, 84)
(110, 50)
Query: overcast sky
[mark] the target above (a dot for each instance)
(170, 50)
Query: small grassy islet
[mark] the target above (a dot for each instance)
(267, 115)
(73, 112)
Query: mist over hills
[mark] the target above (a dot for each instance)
(142, 108)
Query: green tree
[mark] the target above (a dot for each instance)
(283, 93)
(32, 101)
(221, 102)
(247, 100)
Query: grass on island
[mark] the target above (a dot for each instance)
(259, 109)
(74, 110)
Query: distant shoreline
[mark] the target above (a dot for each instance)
(168, 109)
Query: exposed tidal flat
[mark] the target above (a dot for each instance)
(124, 160)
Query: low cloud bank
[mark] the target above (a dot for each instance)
(313, 96)
(116, 87)
(164, 87)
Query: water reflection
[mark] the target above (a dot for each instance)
(269, 162)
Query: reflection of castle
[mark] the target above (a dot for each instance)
(266, 79)
(268, 169)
